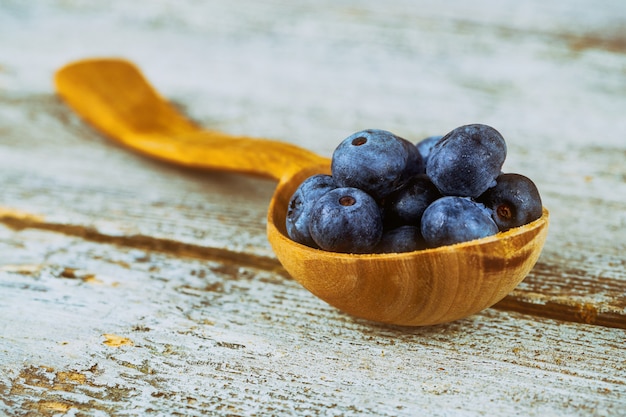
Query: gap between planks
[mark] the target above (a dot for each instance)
(520, 301)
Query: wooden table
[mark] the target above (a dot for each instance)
(131, 287)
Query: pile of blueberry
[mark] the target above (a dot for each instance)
(387, 194)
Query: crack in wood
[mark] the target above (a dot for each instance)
(577, 312)
(19, 221)
(521, 301)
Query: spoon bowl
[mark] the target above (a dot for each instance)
(415, 288)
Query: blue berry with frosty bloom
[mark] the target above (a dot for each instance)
(346, 220)
(514, 201)
(407, 205)
(301, 204)
(375, 161)
(467, 161)
(452, 220)
(425, 145)
(405, 238)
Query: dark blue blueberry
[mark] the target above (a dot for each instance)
(466, 161)
(346, 220)
(425, 145)
(415, 163)
(452, 220)
(514, 201)
(407, 205)
(401, 239)
(375, 161)
(300, 205)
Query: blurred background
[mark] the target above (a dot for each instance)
(549, 75)
(414, 67)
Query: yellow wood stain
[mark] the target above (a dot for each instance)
(91, 279)
(114, 340)
(21, 269)
(53, 406)
(71, 376)
(10, 213)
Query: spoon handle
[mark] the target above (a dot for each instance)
(115, 97)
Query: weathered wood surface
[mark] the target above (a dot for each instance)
(135, 330)
(132, 287)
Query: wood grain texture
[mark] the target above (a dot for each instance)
(176, 262)
(129, 329)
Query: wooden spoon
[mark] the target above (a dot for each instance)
(417, 288)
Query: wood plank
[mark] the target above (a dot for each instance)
(129, 285)
(185, 211)
(121, 329)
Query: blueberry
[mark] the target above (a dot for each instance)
(425, 145)
(452, 220)
(514, 201)
(466, 161)
(401, 239)
(407, 205)
(415, 163)
(375, 161)
(300, 205)
(346, 220)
